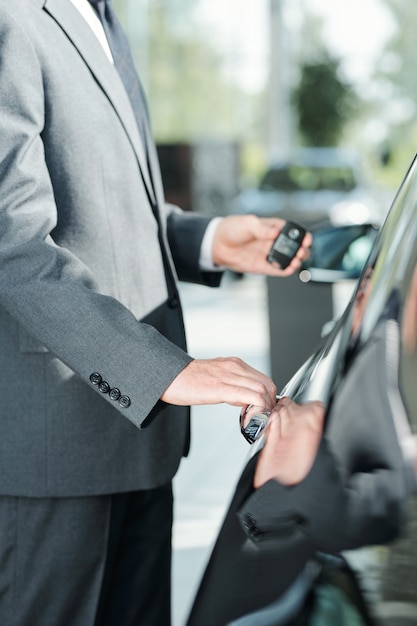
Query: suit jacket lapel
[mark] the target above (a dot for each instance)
(107, 76)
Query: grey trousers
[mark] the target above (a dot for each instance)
(93, 561)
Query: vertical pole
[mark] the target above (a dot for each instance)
(279, 113)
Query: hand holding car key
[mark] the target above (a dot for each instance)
(255, 426)
(287, 244)
(253, 421)
(291, 443)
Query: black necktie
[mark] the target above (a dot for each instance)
(123, 60)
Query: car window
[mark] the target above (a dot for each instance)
(278, 179)
(296, 177)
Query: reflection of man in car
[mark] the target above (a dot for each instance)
(292, 436)
(409, 324)
(361, 299)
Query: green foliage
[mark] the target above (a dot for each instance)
(192, 95)
(185, 83)
(396, 93)
(397, 63)
(323, 102)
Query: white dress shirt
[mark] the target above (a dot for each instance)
(93, 21)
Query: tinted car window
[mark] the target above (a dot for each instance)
(308, 178)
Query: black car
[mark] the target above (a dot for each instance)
(356, 508)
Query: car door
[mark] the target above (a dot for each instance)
(359, 497)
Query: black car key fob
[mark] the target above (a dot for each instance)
(255, 428)
(287, 243)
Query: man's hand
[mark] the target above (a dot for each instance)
(213, 381)
(293, 435)
(242, 242)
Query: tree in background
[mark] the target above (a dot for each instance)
(189, 94)
(396, 93)
(192, 94)
(323, 102)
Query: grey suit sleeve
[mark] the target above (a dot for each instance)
(185, 235)
(44, 287)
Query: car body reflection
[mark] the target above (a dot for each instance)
(359, 497)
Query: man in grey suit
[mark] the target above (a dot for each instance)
(95, 378)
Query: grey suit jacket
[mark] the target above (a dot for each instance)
(88, 248)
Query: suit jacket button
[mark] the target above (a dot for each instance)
(104, 387)
(124, 402)
(174, 302)
(115, 393)
(95, 378)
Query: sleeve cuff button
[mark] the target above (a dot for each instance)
(104, 387)
(115, 394)
(124, 402)
(95, 378)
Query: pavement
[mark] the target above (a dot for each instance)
(229, 321)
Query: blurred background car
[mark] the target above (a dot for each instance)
(312, 185)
